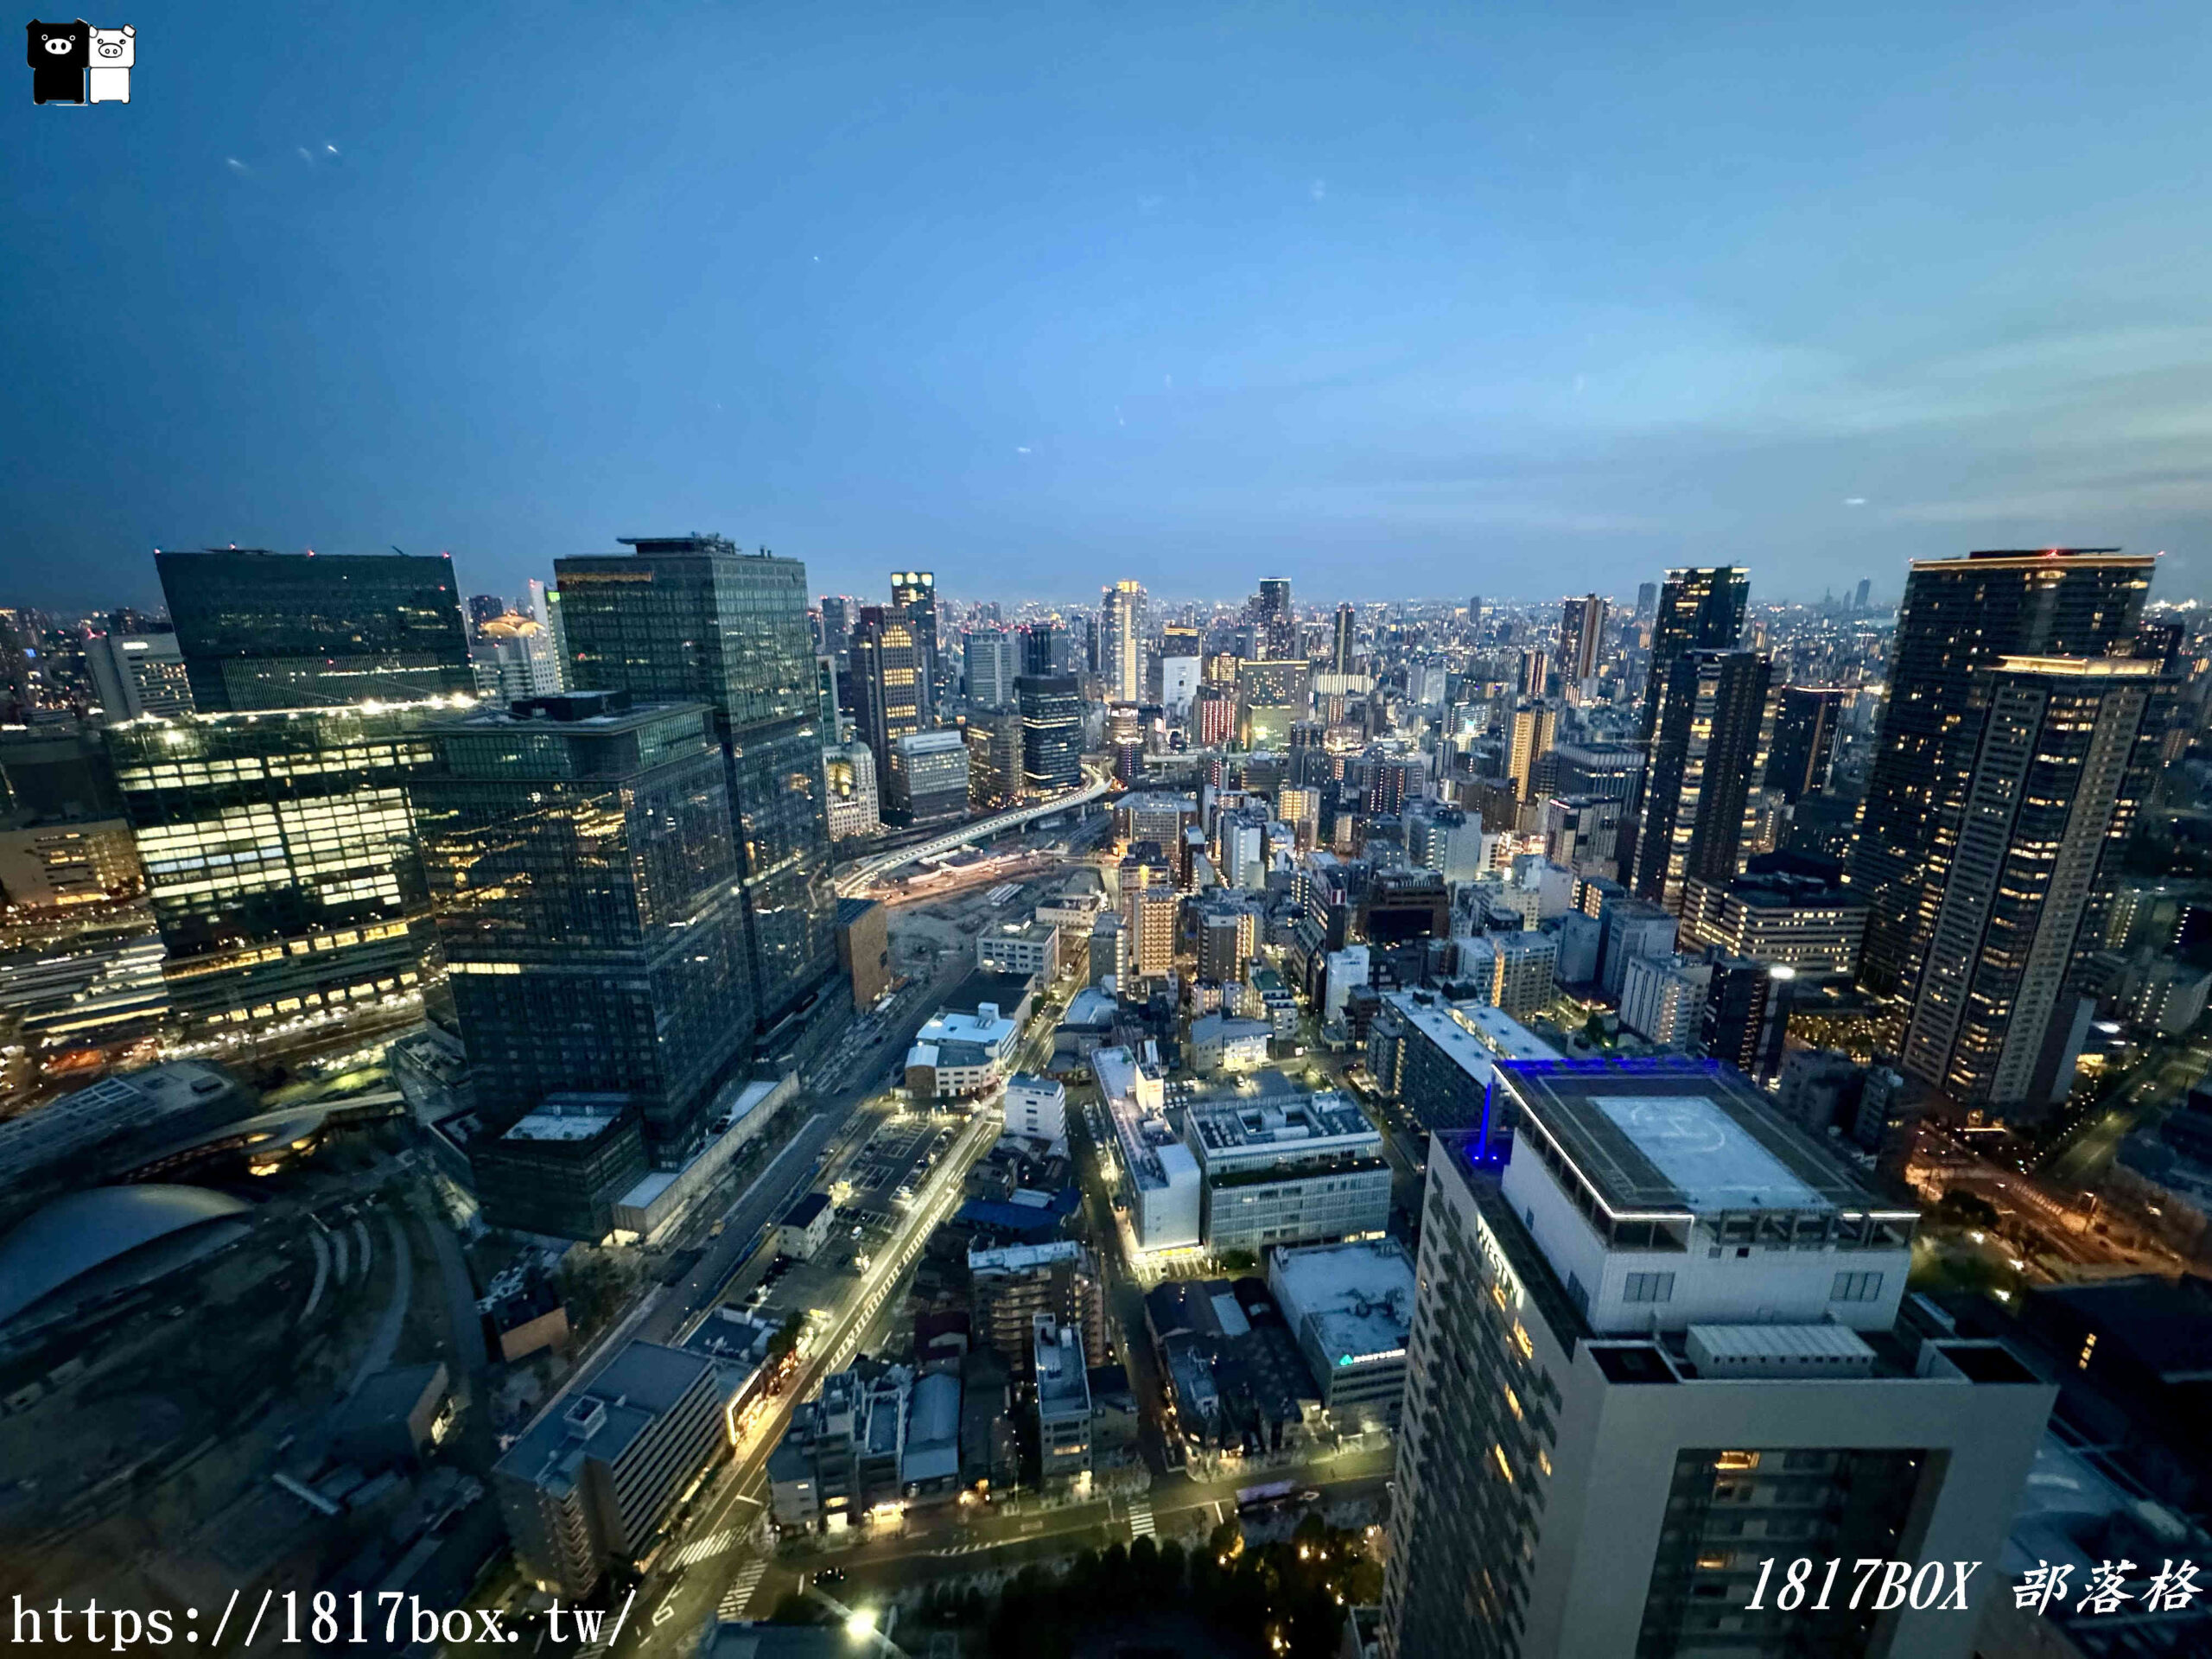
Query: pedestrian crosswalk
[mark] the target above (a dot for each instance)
(705, 1549)
(1140, 1521)
(740, 1594)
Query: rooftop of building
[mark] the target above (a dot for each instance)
(986, 1027)
(1256, 1119)
(1674, 1135)
(1223, 1027)
(851, 910)
(988, 985)
(1021, 1258)
(1777, 889)
(597, 712)
(1029, 930)
(804, 1214)
(1475, 1035)
(731, 1336)
(1063, 1379)
(1358, 1297)
(569, 1117)
(602, 1417)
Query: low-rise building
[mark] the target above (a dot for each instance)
(929, 1457)
(1063, 1400)
(1351, 1308)
(805, 1226)
(1275, 998)
(1221, 1043)
(588, 1485)
(957, 1055)
(1158, 1176)
(1037, 1107)
(1278, 1166)
(864, 949)
(840, 1458)
(1030, 948)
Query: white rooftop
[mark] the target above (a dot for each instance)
(568, 1119)
(1707, 1153)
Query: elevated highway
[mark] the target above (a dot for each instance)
(856, 882)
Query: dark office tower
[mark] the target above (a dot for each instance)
(1581, 638)
(1276, 631)
(1958, 616)
(915, 593)
(1714, 726)
(887, 673)
(1043, 647)
(2160, 643)
(1859, 600)
(591, 906)
(836, 624)
(1475, 614)
(1647, 599)
(2066, 754)
(1804, 738)
(1746, 1014)
(1341, 646)
(1700, 608)
(281, 863)
(301, 631)
(689, 619)
(482, 607)
(1051, 732)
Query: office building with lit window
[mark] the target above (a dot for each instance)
(1708, 749)
(2066, 757)
(281, 862)
(913, 597)
(1959, 616)
(1661, 1340)
(1804, 921)
(260, 630)
(690, 618)
(928, 780)
(1051, 732)
(590, 907)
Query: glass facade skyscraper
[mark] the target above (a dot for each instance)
(1700, 608)
(1051, 732)
(690, 618)
(591, 908)
(281, 860)
(1960, 616)
(261, 630)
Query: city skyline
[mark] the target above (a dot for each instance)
(1397, 316)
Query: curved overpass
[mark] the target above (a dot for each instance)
(863, 875)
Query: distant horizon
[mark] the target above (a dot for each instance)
(1387, 302)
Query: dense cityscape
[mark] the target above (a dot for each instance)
(669, 1112)
(1106, 831)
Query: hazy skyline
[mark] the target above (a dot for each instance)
(1415, 302)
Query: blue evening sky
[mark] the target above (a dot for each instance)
(1509, 298)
